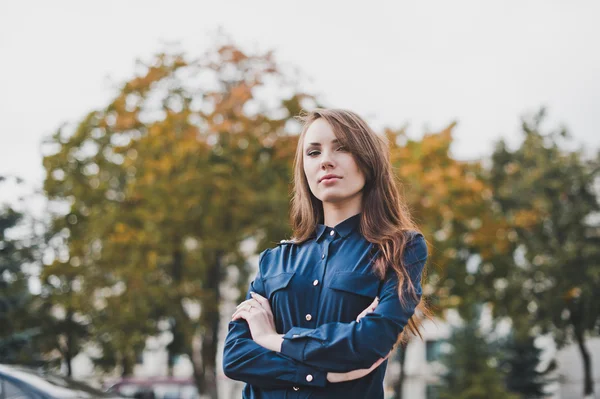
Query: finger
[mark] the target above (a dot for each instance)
(361, 315)
(246, 302)
(249, 309)
(368, 309)
(374, 303)
(260, 299)
(264, 302)
(257, 295)
(236, 313)
(365, 312)
(243, 314)
(246, 308)
(250, 301)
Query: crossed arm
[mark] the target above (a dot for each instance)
(246, 360)
(284, 360)
(258, 361)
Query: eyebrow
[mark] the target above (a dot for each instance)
(334, 141)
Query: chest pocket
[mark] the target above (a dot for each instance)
(350, 293)
(277, 283)
(278, 291)
(359, 284)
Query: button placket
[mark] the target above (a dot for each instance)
(317, 282)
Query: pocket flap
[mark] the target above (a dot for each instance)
(277, 282)
(357, 283)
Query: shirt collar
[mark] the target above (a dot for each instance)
(343, 228)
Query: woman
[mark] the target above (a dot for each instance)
(326, 308)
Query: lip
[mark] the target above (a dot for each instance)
(329, 177)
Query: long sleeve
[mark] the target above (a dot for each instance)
(245, 360)
(348, 346)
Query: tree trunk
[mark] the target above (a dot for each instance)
(126, 364)
(399, 386)
(588, 383)
(68, 343)
(210, 371)
(68, 358)
(206, 373)
(204, 368)
(170, 363)
(211, 337)
(198, 374)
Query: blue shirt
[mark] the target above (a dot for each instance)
(316, 290)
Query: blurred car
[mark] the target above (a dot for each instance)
(17, 382)
(156, 388)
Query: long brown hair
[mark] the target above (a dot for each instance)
(385, 218)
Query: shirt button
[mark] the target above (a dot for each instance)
(309, 378)
(296, 388)
(308, 317)
(322, 256)
(316, 282)
(332, 232)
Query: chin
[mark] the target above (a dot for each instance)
(334, 197)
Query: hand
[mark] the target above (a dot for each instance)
(368, 310)
(354, 374)
(259, 316)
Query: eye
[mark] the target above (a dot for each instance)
(341, 148)
(313, 153)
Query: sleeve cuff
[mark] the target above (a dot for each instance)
(293, 343)
(311, 377)
(298, 332)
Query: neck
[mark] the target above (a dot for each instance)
(336, 212)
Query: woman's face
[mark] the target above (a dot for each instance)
(324, 157)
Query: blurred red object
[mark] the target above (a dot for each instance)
(156, 388)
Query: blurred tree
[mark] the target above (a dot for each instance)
(163, 187)
(471, 365)
(520, 362)
(550, 199)
(451, 202)
(15, 332)
(400, 357)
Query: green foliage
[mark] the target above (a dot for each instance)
(451, 202)
(187, 163)
(162, 187)
(549, 197)
(521, 362)
(472, 371)
(15, 334)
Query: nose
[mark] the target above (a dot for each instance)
(326, 161)
(326, 164)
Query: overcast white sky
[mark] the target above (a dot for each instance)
(425, 63)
